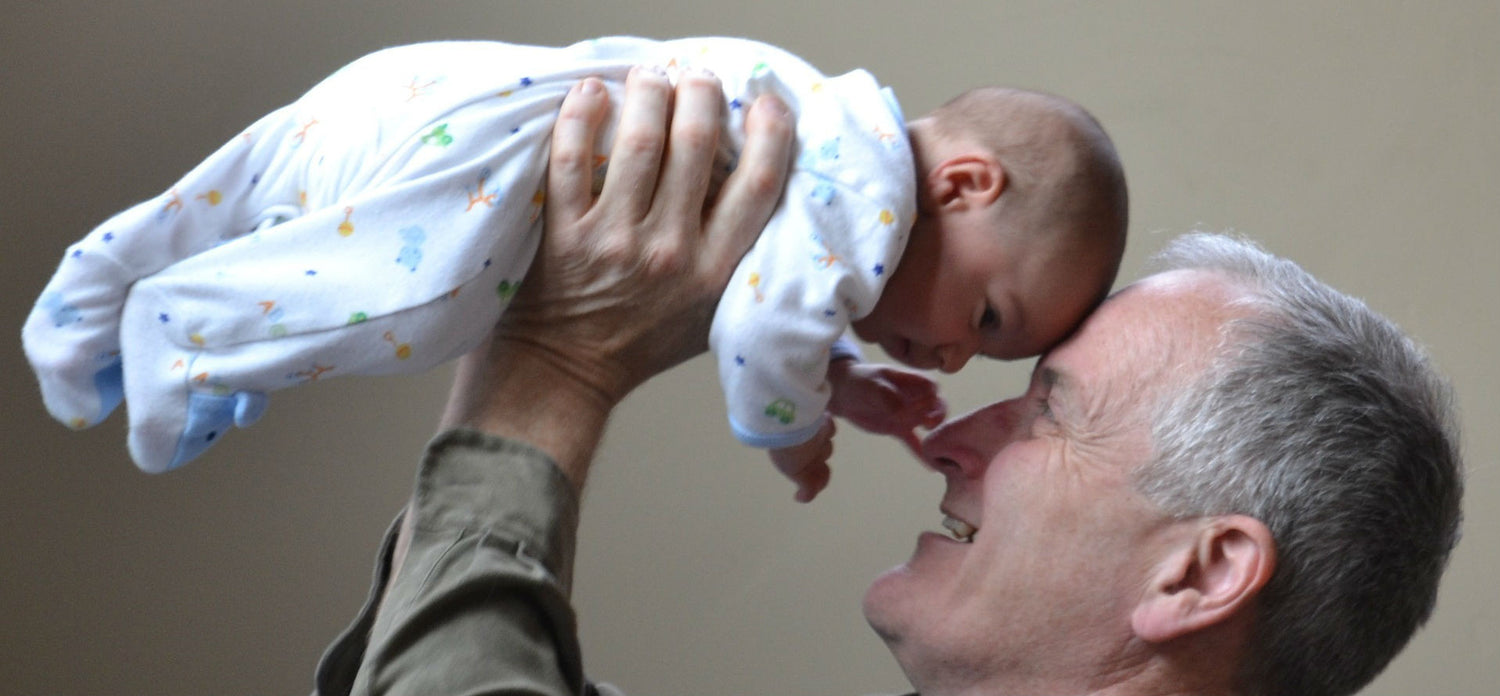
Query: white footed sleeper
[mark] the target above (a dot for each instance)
(382, 222)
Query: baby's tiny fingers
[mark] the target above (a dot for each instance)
(815, 479)
(912, 442)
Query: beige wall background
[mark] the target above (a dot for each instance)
(1358, 138)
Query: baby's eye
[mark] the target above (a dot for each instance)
(989, 319)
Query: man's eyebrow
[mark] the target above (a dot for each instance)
(1058, 388)
(1051, 377)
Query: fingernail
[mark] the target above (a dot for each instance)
(591, 86)
(774, 103)
(648, 71)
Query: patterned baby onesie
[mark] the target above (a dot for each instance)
(382, 222)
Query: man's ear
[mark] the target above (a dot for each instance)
(1215, 574)
(972, 180)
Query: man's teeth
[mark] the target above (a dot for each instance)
(961, 530)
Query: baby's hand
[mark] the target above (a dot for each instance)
(885, 400)
(807, 464)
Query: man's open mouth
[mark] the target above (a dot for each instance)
(959, 529)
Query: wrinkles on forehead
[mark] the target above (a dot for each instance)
(1145, 342)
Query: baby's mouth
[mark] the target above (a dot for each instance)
(906, 353)
(898, 348)
(959, 529)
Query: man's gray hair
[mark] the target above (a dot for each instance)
(1324, 421)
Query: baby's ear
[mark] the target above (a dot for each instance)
(971, 180)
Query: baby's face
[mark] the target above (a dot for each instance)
(964, 288)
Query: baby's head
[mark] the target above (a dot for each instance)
(1021, 220)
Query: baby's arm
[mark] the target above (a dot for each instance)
(807, 464)
(884, 399)
(881, 399)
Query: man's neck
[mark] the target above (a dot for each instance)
(1153, 677)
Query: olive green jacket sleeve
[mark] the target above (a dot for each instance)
(481, 606)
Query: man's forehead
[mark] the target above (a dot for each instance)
(1140, 334)
(1101, 327)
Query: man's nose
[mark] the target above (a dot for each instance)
(965, 446)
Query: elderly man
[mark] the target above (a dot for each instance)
(1230, 480)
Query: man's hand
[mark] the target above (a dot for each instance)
(885, 400)
(623, 286)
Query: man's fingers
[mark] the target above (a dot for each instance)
(640, 138)
(688, 167)
(570, 168)
(751, 192)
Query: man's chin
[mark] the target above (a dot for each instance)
(878, 608)
(887, 602)
(892, 612)
(902, 597)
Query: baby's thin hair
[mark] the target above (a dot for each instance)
(1045, 142)
(1057, 156)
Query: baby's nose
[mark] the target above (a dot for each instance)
(953, 357)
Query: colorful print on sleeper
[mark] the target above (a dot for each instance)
(382, 222)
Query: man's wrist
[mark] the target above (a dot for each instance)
(523, 392)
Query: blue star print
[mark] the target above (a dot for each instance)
(823, 193)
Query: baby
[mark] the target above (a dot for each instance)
(382, 222)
